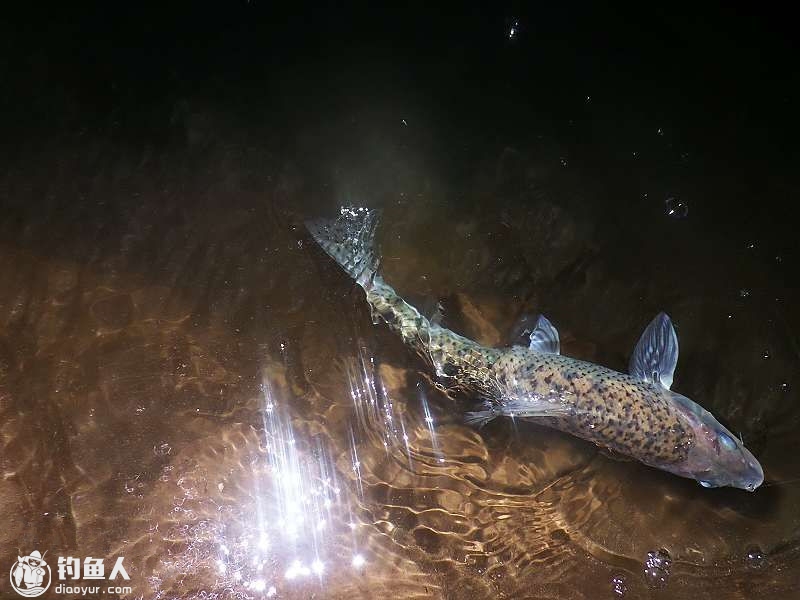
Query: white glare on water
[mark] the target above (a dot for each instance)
(298, 569)
(374, 409)
(293, 512)
(293, 532)
(430, 424)
(303, 486)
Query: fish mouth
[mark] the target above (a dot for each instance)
(754, 473)
(758, 479)
(753, 479)
(747, 475)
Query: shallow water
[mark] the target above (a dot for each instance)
(188, 382)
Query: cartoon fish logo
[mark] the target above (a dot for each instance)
(30, 575)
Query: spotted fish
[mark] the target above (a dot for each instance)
(634, 414)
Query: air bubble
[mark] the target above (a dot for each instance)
(675, 208)
(755, 558)
(513, 30)
(619, 586)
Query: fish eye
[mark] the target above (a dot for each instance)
(727, 441)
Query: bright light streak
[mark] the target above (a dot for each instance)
(263, 541)
(317, 567)
(430, 423)
(304, 491)
(297, 569)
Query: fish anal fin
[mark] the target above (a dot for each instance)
(614, 455)
(480, 418)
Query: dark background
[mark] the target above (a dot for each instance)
(296, 80)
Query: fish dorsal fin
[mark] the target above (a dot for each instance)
(656, 353)
(544, 337)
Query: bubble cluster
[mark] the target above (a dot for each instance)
(162, 449)
(513, 30)
(619, 586)
(657, 566)
(755, 558)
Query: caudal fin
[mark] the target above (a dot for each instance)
(350, 240)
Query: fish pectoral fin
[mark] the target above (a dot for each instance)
(656, 353)
(544, 337)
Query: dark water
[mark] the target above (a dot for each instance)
(187, 381)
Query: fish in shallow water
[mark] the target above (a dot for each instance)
(633, 414)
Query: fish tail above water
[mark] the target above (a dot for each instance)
(350, 241)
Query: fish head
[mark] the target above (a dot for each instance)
(716, 457)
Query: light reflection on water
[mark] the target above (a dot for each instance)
(223, 470)
(301, 518)
(380, 418)
(298, 497)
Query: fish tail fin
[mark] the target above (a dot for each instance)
(479, 418)
(350, 240)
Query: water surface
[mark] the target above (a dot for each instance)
(186, 380)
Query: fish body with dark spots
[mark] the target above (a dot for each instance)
(608, 408)
(634, 414)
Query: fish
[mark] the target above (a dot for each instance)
(634, 414)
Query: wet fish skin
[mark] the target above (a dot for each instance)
(631, 414)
